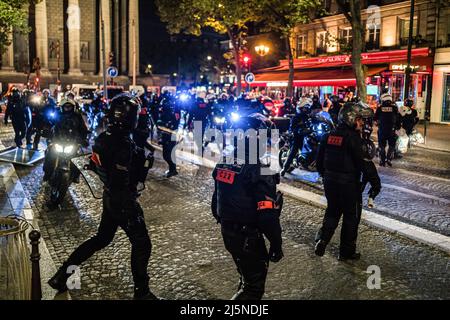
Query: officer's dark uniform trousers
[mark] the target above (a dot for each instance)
(137, 233)
(344, 199)
(248, 249)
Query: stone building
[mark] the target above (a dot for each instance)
(323, 54)
(66, 36)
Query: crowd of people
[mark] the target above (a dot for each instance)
(245, 201)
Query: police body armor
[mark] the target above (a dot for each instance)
(238, 200)
(387, 117)
(104, 158)
(338, 162)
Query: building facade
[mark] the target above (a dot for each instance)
(66, 37)
(323, 60)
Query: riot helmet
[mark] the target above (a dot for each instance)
(348, 114)
(124, 112)
(67, 106)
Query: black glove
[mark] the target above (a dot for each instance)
(275, 255)
(279, 202)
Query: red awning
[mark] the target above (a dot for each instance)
(330, 77)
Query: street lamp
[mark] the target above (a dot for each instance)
(149, 69)
(262, 50)
(209, 58)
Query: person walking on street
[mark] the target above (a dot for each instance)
(340, 163)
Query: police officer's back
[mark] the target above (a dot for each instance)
(340, 163)
(388, 121)
(246, 204)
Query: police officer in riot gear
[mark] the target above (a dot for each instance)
(340, 163)
(246, 204)
(387, 118)
(68, 123)
(18, 112)
(44, 116)
(298, 128)
(113, 159)
(169, 120)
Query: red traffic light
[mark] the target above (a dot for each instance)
(246, 59)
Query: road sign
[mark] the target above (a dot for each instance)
(112, 72)
(249, 77)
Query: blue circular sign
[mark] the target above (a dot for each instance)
(249, 77)
(112, 72)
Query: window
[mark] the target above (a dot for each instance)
(446, 101)
(404, 30)
(346, 35)
(301, 46)
(373, 37)
(322, 39)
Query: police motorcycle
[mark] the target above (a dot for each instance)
(63, 147)
(64, 150)
(317, 125)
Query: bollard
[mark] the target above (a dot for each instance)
(36, 291)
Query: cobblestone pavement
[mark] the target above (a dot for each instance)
(190, 262)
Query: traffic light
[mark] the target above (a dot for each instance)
(246, 58)
(111, 59)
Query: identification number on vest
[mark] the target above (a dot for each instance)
(335, 140)
(386, 109)
(225, 176)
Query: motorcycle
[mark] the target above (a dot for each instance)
(64, 172)
(317, 126)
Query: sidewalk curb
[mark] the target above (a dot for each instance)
(370, 218)
(431, 148)
(47, 265)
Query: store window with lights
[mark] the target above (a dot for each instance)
(446, 100)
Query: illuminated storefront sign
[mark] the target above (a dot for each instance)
(402, 67)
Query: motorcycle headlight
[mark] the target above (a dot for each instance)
(68, 149)
(59, 148)
(219, 120)
(184, 97)
(235, 116)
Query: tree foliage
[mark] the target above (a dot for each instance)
(352, 11)
(13, 17)
(282, 16)
(228, 17)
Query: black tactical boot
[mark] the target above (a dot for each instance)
(319, 250)
(59, 280)
(171, 173)
(354, 256)
(144, 293)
